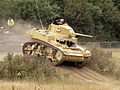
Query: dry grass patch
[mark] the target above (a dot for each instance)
(17, 67)
(101, 60)
(72, 85)
(105, 61)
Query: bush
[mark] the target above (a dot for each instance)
(27, 67)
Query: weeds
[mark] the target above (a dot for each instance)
(19, 67)
(103, 62)
(100, 60)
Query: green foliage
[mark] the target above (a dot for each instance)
(31, 68)
(117, 3)
(40, 11)
(110, 16)
(78, 14)
(96, 17)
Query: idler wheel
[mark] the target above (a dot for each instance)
(27, 48)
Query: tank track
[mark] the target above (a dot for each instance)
(39, 48)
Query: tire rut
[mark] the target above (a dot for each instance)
(86, 74)
(82, 77)
(100, 77)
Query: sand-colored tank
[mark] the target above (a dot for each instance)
(58, 44)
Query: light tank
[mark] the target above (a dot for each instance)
(58, 43)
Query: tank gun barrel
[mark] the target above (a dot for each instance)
(83, 35)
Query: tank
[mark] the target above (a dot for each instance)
(58, 43)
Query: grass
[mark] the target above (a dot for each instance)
(18, 67)
(115, 73)
(101, 59)
(115, 53)
(105, 61)
(70, 83)
(73, 84)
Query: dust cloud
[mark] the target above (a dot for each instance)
(12, 38)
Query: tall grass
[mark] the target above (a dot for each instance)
(18, 67)
(74, 86)
(103, 62)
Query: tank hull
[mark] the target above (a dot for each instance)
(65, 56)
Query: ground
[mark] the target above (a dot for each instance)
(81, 79)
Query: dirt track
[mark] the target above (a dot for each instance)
(86, 74)
(12, 41)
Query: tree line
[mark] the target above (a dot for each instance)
(100, 18)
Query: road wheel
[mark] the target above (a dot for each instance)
(58, 58)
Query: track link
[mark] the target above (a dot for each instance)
(43, 49)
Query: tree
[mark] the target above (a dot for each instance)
(110, 17)
(39, 10)
(117, 3)
(78, 14)
(106, 17)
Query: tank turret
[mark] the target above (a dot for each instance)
(65, 30)
(58, 44)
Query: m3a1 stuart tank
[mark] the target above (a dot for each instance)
(58, 44)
